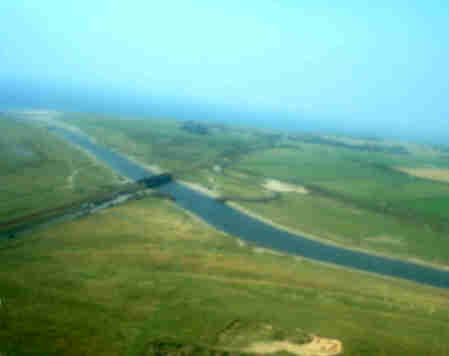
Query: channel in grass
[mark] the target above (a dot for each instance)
(356, 195)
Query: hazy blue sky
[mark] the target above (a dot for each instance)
(361, 62)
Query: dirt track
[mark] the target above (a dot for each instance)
(281, 187)
(317, 347)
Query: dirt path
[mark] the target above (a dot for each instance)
(317, 347)
(281, 187)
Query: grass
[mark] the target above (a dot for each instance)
(39, 171)
(165, 143)
(337, 172)
(147, 276)
(325, 218)
(357, 196)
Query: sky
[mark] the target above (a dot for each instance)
(376, 65)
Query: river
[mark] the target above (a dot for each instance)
(236, 223)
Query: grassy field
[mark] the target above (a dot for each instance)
(352, 177)
(146, 278)
(357, 195)
(165, 143)
(39, 171)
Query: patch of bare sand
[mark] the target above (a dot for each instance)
(266, 250)
(241, 243)
(201, 189)
(439, 174)
(153, 168)
(317, 347)
(278, 186)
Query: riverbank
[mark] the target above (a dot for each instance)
(265, 220)
(302, 234)
(229, 220)
(393, 214)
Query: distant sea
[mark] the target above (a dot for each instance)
(17, 94)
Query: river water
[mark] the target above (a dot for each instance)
(236, 223)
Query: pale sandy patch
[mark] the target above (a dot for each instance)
(266, 250)
(241, 243)
(153, 168)
(317, 347)
(436, 264)
(201, 189)
(439, 174)
(278, 186)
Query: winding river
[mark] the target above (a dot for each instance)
(234, 222)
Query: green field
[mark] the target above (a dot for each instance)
(355, 178)
(39, 171)
(147, 277)
(357, 196)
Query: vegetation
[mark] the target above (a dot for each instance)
(168, 144)
(146, 278)
(347, 176)
(359, 146)
(361, 193)
(39, 171)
